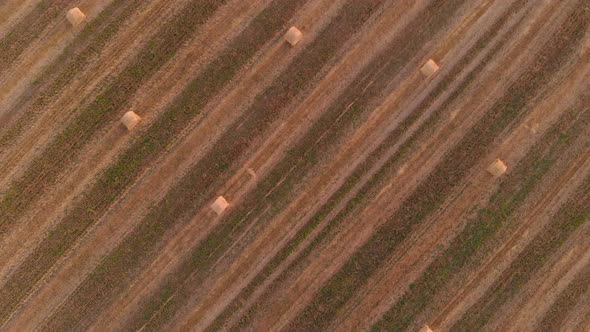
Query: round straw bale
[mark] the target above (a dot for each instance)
(219, 205)
(293, 36)
(497, 168)
(130, 120)
(429, 68)
(75, 16)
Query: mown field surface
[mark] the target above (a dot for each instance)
(357, 187)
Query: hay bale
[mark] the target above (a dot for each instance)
(130, 120)
(429, 68)
(425, 328)
(497, 168)
(219, 205)
(251, 172)
(293, 36)
(75, 16)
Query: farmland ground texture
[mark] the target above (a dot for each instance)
(83, 50)
(333, 297)
(326, 202)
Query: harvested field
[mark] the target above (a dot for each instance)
(355, 188)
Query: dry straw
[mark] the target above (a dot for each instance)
(130, 120)
(429, 68)
(75, 16)
(219, 205)
(497, 168)
(293, 36)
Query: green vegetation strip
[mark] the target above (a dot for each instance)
(60, 239)
(555, 318)
(177, 290)
(86, 46)
(61, 152)
(431, 193)
(114, 273)
(480, 231)
(571, 217)
(28, 29)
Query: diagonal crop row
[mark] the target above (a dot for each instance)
(573, 215)
(77, 55)
(159, 50)
(361, 197)
(13, 44)
(431, 193)
(146, 149)
(303, 149)
(555, 317)
(510, 196)
(189, 195)
(62, 151)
